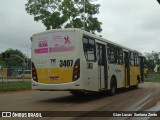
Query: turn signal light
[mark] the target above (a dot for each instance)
(76, 67)
(34, 73)
(76, 70)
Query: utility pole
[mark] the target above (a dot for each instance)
(84, 11)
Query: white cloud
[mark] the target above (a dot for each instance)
(16, 26)
(132, 23)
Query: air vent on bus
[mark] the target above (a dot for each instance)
(76, 70)
(34, 73)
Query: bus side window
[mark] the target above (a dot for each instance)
(119, 56)
(89, 49)
(113, 54)
(137, 61)
(132, 59)
(85, 46)
(100, 54)
(108, 52)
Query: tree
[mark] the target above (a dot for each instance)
(152, 59)
(65, 14)
(14, 61)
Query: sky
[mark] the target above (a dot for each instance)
(131, 23)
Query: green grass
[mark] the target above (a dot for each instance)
(13, 86)
(153, 77)
(151, 80)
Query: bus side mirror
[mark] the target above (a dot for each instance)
(158, 1)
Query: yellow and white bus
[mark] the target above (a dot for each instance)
(77, 61)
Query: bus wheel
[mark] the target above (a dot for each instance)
(113, 86)
(136, 86)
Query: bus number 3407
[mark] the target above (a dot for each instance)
(66, 63)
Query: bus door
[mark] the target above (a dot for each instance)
(91, 82)
(127, 69)
(102, 66)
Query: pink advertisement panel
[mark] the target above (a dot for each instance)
(54, 43)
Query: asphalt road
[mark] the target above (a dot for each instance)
(146, 97)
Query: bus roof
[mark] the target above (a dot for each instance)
(89, 34)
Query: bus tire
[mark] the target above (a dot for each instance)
(113, 86)
(135, 86)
